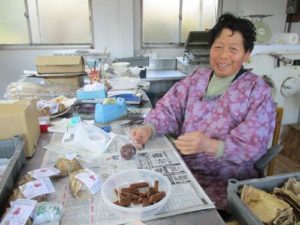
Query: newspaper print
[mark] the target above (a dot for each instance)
(158, 155)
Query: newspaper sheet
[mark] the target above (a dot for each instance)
(158, 155)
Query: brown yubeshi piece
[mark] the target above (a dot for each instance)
(155, 186)
(157, 197)
(127, 151)
(146, 202)
(125, 201)
(139, 185)
(151, 191)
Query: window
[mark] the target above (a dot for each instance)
(45, 22)
(170, 21)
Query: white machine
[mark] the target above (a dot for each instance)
(281, 63)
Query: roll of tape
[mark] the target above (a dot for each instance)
(290, 87)
(285, 38)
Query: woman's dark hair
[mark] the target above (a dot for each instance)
(235, 24)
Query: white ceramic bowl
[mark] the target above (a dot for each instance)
(124, 179)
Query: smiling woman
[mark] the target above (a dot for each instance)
(45, 22)
(223, 117)
(227, 53)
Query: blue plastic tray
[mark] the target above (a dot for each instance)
(84, 95)
(105, 113)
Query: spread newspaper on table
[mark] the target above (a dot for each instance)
(158, 155)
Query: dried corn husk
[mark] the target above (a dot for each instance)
(293, 185)
(290, 193)
(262, 204)
(17, 194)
(78, 189)
(67, 166)
(25, 179)
(286, 218)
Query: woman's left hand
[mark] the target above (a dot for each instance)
(196, 142)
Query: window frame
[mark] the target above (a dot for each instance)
(32, 45)
(146, 45)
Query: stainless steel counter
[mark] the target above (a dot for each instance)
(162, 80)
(164, 75)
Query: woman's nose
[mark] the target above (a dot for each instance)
(224, 53)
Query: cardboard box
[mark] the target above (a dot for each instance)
(20, 117)
(73, 82)
(59, 64)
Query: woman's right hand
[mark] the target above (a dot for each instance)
(141, 134)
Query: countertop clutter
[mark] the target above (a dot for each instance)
(73, 133)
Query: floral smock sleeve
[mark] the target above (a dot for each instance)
(243, 117)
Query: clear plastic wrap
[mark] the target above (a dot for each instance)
(46, 212)
(40, 90)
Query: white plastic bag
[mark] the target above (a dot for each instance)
(89, 137)
(46, 212)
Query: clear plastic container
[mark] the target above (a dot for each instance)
(124, 179)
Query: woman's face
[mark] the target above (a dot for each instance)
(227, 53)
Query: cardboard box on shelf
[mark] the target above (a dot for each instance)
(20, 117)
(73, 82)
(59, 64)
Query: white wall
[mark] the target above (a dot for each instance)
(117, 27)
(239, 8)
(113, 29)
(113, 26)
(267, 7)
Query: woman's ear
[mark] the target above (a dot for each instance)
(247, 56)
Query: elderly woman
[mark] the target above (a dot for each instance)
(223, 117)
